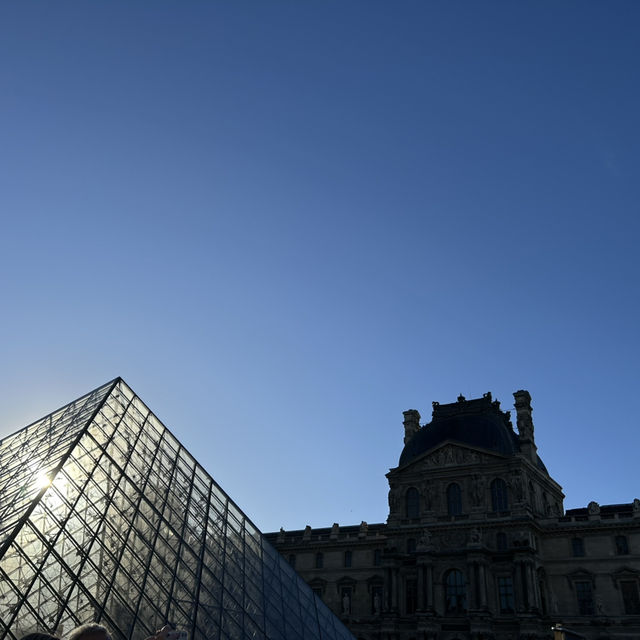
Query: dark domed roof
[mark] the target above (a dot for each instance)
(478, 423)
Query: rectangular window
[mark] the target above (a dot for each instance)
(622, 546)
(499, 499)
(577, 547)
(505, 593)
(377, 557)
(347, 559)
(584, 592)
(455, 592)
(319, 561)
(630, 597)
(411, 588)
(454, 500)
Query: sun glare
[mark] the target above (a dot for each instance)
(43, 481)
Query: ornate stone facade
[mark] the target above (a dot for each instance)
(477, 544)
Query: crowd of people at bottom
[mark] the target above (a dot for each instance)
(92, 631)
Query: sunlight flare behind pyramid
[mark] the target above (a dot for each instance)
(105, 516)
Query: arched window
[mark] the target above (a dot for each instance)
(455, 596)
(499, 500)
(412, 498)
(454, 500)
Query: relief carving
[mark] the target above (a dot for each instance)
(427, 492)
(451, 540)
(452, 455)
(478, 490)
(517, 486)
(425, 541)
(393, 498)
(449, 456)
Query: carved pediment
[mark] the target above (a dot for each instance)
(318, 583)
(453, 455)
(452, 539)
(580, 575)
(449, 454)
(346, 581)
(625, 574)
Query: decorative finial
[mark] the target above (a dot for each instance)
(411, 424)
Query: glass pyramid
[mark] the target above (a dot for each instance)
(104, 516)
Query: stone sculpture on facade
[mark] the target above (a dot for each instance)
(346, 604)
(478, 488)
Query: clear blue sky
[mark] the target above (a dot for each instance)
(284, 223)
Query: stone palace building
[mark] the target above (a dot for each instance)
(477, 544)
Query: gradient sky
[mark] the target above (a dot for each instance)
(284, 223)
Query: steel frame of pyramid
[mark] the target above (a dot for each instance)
(104, 516)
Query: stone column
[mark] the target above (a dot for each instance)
(531, 586)
(474, 600)
(394, 589)
(421, 578)
(387, 588)
(429, 594)
(483, 585)
(477, 589)
(521, 573)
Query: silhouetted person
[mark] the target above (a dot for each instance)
(91, 631)
(162, 634)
